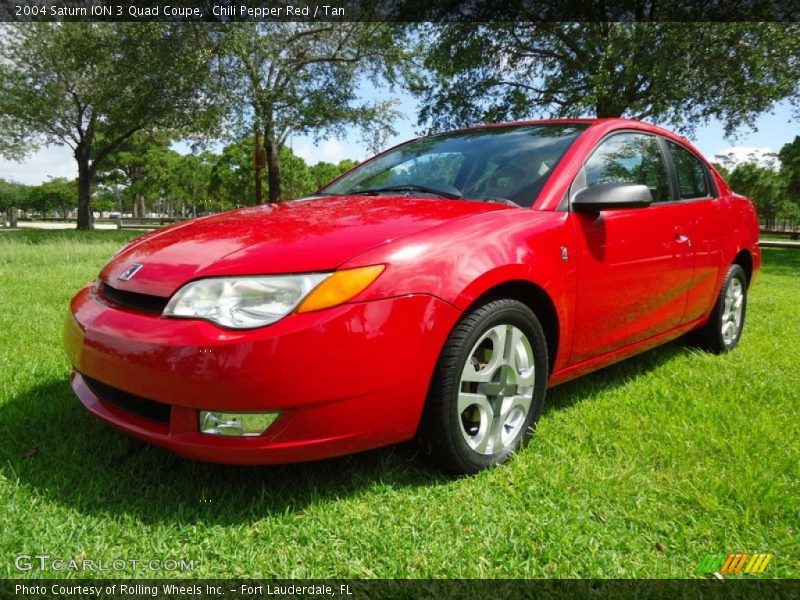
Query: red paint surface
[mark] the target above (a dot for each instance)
(355, 377)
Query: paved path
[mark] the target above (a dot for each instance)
(48, 225)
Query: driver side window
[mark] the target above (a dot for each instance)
(630, 158)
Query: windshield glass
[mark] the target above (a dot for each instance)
(508, 164)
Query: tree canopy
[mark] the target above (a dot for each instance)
(303, 78)
(677, 74)
(56, 195)
(232, 176)
(119, 94)
(12, 195)
(146, 176)
(789, 156)
(91, 86)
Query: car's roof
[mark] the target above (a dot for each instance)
(609, 122)
(606, 123)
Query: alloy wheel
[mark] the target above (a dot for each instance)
(732, 311)
(496, 389)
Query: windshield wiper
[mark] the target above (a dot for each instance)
(496, 200)
(408, 187)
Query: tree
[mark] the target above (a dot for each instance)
(91, 86)
(57, 194)
(764, 186)
(134, 167)
(789, 156)
(323, 173)
(303, 78)
(13, 195)
(232, 175)
(295, 179)
(188, 180)
(678, 74)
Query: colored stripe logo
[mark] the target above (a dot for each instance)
(734, 563)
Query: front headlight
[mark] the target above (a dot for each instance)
(242, 302)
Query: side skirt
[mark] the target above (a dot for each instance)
(604, 360)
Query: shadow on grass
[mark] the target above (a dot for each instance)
(52, 446)
(576, 390)
(61, 454)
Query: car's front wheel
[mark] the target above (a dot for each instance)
(488, 389)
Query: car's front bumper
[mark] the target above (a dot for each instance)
(344, 379)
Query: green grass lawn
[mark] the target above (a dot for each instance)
(636, 471)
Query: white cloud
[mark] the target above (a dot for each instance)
(331, 150)
(745, 154)
(49, 161)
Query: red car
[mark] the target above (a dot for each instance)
(435, 290)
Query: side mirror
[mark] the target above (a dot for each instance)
(604, 196)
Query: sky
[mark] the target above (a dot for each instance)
(773, 130)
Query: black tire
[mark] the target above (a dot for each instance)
(710, 336)
(442, 432)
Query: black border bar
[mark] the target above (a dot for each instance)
(355, 589)
(437, 11)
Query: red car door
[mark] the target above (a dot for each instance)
(634, 266)
(701, 213)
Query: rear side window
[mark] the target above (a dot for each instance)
(630, 158)
(692, 179)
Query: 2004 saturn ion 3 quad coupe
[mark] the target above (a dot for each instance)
(436, 290)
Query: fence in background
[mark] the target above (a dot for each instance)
(144, 222)
(789, 231)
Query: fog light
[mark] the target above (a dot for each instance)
(235, 424)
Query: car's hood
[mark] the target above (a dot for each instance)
(317, 234)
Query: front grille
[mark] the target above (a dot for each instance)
(134, 300)
(147, 409)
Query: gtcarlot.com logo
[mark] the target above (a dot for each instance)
(735, 563)
(46, 562)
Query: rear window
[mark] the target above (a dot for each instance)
(692, 176)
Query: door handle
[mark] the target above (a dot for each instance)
(682, 238)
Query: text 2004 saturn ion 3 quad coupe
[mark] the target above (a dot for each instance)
(437, 289)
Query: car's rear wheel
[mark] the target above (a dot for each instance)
(724, 327)
(488, 389)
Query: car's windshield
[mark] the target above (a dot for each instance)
(508, 164)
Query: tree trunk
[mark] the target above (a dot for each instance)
(606, 109)
(273, 152)
(258, 166)
(85, 216)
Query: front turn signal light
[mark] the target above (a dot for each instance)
(339, 288)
